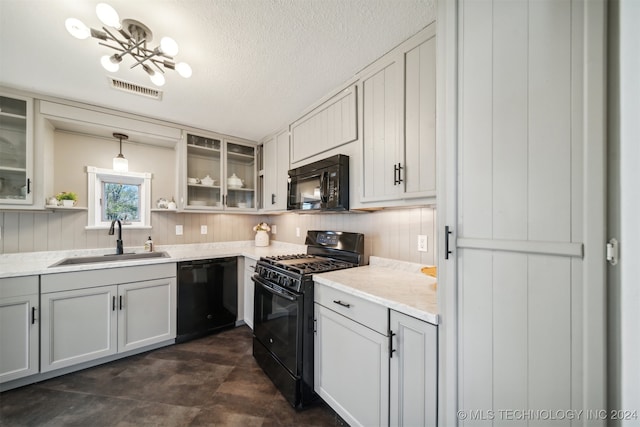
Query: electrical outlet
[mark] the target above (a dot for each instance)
(274, 229)
(178, 230)
(423, 243)
(297, 231)
(203, 229)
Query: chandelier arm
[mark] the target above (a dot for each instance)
(155, 62)
(115, 39)
(118, 48)
(140, 59)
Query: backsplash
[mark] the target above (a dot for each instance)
(52, 231)
(388, 233)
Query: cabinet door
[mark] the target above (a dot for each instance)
(146, 313)
(419, 164)
(381, 131)
(18, 337)
(241, 176)
(413, 372)
(276, 169)
(250, 266)
(351, 369)
(203, 167)
(16, 150)
(77, 326)
(331, 124)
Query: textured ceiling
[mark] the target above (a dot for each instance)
(256, 63)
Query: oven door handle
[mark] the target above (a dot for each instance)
(273, 291)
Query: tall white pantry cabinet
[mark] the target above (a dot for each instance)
(521, 119)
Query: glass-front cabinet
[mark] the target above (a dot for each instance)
(16, 150)
(240, 178)
(220, 174)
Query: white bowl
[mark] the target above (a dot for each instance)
(198, 202)
(242, 205)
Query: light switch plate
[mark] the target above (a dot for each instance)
(274, 229)
(178, 230)
(297, 231)
(203, 229)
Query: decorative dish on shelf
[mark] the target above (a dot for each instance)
(208, 181)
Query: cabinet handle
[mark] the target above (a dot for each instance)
(400, 180)
(120, 302)
(33, 315)
(447, 233)
(273, 199)
(28, 185)
(344, 304)
(113, 304)
(391, 349)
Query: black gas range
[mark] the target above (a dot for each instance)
(283, 309)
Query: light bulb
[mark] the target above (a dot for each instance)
(77, 28)
(108, 15)
(169, 46)
(110, 63)
(184, 69)
(157, 79)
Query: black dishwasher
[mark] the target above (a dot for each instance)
(207, 297)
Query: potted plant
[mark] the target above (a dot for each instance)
(67, 198)
(262, 234)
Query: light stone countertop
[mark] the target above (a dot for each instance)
(35, 263)
(394, 284)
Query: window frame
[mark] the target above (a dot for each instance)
(95, 179)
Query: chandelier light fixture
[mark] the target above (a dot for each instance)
(132, 38)
(120, 164)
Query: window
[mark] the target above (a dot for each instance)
(118, 195)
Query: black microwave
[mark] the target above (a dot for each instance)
(320, 186)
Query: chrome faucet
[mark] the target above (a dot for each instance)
(119, 248)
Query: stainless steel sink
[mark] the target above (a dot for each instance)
(109, 258)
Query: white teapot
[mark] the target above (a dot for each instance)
(234, 181)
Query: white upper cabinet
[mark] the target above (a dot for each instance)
(329, 125)
(398, 123)
(276, 167)
(16, 151)
(217, 174)
(240, 176)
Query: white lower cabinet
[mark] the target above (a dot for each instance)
(147, 313)
(78, 326)
(249, 269)
(84, 318)
(351, 369)
(351, 357)
(413, 371)
(19, 318)
(374, 366)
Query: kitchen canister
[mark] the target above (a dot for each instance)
(262, 238)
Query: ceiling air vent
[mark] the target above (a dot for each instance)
(134, 88)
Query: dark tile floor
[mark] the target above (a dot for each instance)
(206, 382)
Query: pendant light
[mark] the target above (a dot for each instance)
(120, 164)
